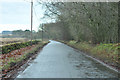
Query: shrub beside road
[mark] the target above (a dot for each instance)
(16, 54)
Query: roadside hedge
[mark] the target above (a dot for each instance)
(10, 47)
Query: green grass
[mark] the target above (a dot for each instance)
(106, 52)
(1, 67)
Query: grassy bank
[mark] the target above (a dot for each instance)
(18, 56)
(4, 41)
(108, 53)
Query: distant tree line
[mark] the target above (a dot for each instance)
(56, 31)
(27, 34)
(23, 34)
(82, 21)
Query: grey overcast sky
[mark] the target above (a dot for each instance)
(16, 14)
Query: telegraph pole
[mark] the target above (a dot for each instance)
(31, 19)
(42, 32)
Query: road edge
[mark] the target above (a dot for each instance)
(95, 59)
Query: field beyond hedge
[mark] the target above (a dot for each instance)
(4, 41)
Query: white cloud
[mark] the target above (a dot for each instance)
(17, 0)
(60, 0)
(79, 0)
(11, 0)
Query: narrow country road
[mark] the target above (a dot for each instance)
(58, 60)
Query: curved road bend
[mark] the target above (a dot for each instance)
(58, 60)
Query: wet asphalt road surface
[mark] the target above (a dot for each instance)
(58, 60)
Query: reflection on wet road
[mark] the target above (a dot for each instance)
(58, 60)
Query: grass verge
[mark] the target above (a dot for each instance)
(107, 53)
(16, 60)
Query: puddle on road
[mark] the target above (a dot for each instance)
(89, 67)
(103, 69)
